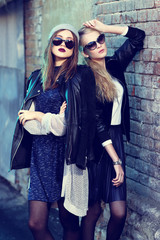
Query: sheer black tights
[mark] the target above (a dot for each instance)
(117, 220)
(38, 220)
(115, 224)
(70, 223)
(88, 222)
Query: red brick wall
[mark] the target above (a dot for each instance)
(33, 42)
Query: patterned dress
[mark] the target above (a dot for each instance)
(47, 157)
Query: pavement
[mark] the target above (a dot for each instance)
(14, 215)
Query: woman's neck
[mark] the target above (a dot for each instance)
(101, 62)
(59, 61)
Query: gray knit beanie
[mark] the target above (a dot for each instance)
(65, 27)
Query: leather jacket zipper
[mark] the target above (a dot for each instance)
(69, 156)
(32, 90)
(31, 97)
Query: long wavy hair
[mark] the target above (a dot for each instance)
(105, 88)
(68, 68)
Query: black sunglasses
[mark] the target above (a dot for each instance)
(58, 41)
(93, 45)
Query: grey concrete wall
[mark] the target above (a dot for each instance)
(12, 70)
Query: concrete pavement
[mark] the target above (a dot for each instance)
(14, 215)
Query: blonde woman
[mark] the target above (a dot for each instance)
(107, 177)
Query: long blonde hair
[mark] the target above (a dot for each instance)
(69, 67)
(105, 88)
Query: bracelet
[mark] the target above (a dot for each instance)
(119, 162)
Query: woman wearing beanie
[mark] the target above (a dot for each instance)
(107, 177)
(55, 128)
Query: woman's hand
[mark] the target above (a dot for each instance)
(63, 107)
(26, 115)
(119, 179)
(95, 24)
(101, 27)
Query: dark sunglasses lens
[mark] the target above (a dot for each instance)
(91, 46)
(101, 39)
(57, 42)
(69, 44)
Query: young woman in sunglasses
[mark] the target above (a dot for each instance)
(107, 177)
(39, 141)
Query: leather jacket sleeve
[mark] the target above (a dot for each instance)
(21, 143)
(127, 51)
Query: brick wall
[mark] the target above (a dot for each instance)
(143, 80)
(33, 36)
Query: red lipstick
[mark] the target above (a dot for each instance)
(61, 50)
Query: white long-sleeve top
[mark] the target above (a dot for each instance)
(51, 123)
(117, 104)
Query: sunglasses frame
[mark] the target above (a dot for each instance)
(94, 42)
(62, 40)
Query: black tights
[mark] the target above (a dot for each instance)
(115, 224)
(38, 220)
(70, 223)
(117, 220)
(88, 222)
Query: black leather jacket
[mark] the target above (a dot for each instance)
(116, 66)
(80, 119)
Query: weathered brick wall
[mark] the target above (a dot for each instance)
(33, 36)
(143, 151)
